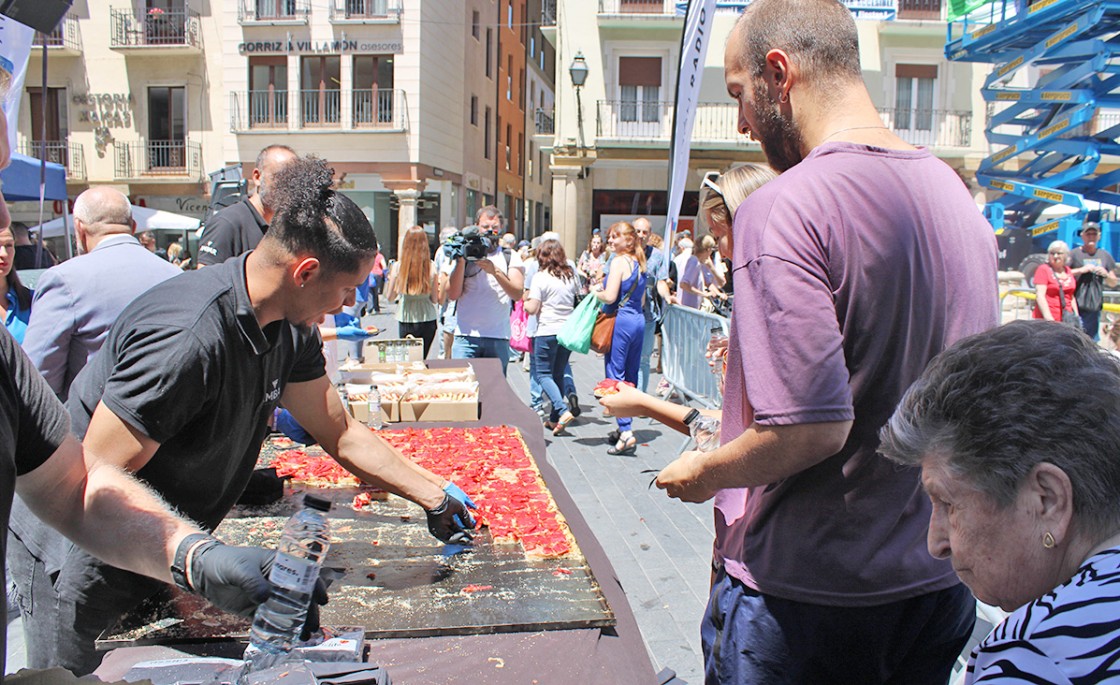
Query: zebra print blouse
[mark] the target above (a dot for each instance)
(1071, 635)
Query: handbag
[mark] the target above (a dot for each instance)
(576, 332)
(1090, 294)
(519, 327)
(1068, 318)
(602, 333)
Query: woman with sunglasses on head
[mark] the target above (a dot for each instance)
(720, 196)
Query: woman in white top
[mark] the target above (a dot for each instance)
(702, 277)
(552, 297)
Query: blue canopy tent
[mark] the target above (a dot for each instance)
(21, 184)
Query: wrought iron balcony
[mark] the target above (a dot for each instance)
(62, 152)
(158, 158)
(154, 29)
(366, 11)
(544, 124)
(365, 110)
(650, 122)
(273, 11)
(65, 36)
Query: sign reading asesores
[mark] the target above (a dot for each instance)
(307, 47)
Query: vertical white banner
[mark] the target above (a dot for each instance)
(15, 48)
(694, 48)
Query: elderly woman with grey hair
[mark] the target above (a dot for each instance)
(1055, 286)
(1020, 463)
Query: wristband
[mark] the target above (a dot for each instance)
(181, 563)
(691, 416)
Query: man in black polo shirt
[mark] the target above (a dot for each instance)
(239, 228)
(183, 387)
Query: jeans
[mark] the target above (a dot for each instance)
(471, 347)
(536, 393)
(550, 359)
(749, 637)
(647, 352)
(1091, 323)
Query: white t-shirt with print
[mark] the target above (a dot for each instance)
(557, 298)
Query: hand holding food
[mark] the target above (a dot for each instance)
(621, 399)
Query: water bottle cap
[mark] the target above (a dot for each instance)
(313, 502)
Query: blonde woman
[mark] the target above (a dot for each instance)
(412, 283)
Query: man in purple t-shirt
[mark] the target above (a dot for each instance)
(852, 270)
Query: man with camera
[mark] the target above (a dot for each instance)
(483, 279)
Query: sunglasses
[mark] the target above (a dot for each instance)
(710, 181)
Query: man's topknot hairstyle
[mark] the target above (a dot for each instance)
(312, 218)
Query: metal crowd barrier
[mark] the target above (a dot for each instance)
(684, 340)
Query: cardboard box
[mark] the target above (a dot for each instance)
(466, 410)
(383, 351)
(411, 410)
(361, 372)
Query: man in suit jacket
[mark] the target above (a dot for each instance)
(77, 301)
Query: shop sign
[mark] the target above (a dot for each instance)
(312, 47)
(187, 205)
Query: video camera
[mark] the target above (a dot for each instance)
(470, 243)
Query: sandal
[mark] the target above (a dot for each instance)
(560, 426)
(624, 447)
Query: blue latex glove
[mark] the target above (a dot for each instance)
(351, 333)
(457, 492)
(343, 319)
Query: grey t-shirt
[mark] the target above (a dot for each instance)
(852, 270)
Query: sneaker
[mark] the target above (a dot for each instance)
(573, 405)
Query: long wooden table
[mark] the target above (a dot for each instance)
(608, 655)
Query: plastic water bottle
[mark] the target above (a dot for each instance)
(374, 399)
(705, 431)
(299, 556)
(381, 354)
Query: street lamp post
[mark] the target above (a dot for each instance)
(578, 72)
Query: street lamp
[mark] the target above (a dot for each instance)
(578, 72)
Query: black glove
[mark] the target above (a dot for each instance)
(236, 579)
(447, 522)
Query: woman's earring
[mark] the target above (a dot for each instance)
(1048, 540)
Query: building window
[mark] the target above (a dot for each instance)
(509, 14)
(474, 110)
(521, 89)
(530, 156)
(520, 154)
(55, 114)
(509, 148)
(913, 101)
(489, 53)
(268, 92)
(486, 135)
(474, 24)
(532, 45)
(373, 90)
(540, 176)
(275, 9)
(639, 81)
(509, 78)
(167, 127)
(320, 99)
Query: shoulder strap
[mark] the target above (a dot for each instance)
(1061, 291)
(633, 287)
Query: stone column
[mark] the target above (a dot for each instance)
(406, 214)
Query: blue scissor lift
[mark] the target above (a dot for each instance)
(1045, 150)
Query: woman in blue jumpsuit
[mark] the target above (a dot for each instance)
(623, 290)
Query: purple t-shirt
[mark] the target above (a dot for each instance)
(852, 270)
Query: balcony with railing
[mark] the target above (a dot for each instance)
(358, 110)
(647, 10)
(366, 11)
(649, 123)
(548, 12)
(64, 40)
(543, 124)
(172, 159)
(272, 12)
(61, 152)
(154, 30)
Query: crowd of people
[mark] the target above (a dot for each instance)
(886, 455)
